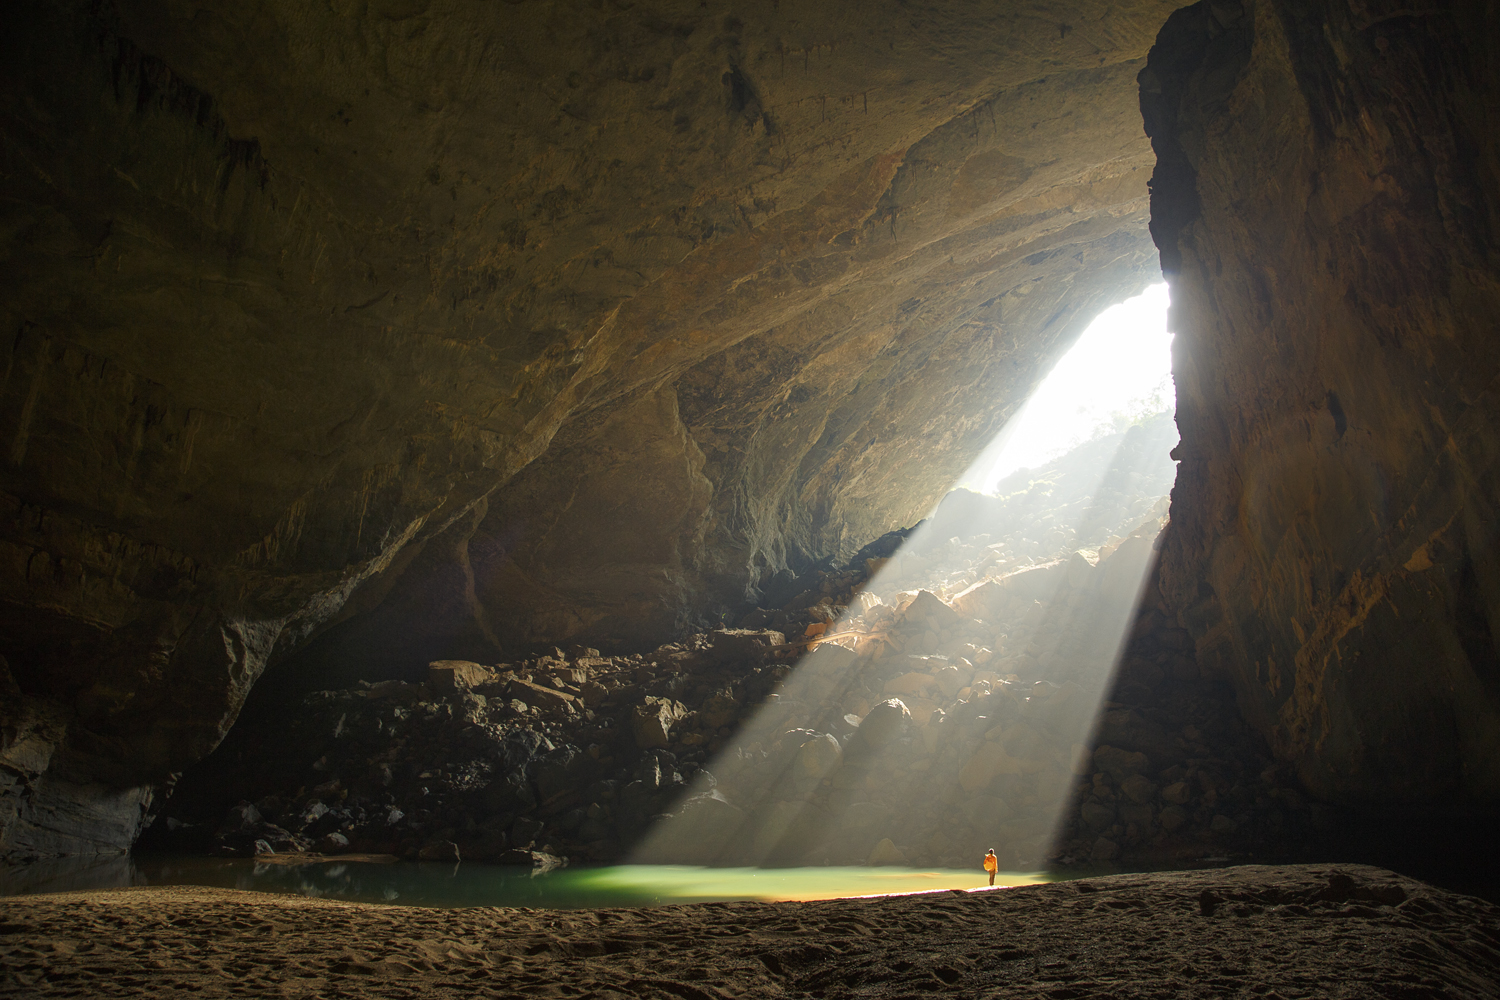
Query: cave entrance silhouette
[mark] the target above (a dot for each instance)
(948, 710)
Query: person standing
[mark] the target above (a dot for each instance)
(991, 864)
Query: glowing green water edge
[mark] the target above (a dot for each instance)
(687, 884)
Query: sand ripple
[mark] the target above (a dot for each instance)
(1273, 932)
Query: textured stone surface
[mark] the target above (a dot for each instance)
(1326, 203)
(531, 321)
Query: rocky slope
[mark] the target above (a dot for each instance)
(1326, 201)
(475, 324)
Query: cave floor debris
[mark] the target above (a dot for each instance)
(1293, 931)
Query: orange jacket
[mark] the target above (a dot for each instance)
(991, 863)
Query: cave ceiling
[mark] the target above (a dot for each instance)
(526, 321)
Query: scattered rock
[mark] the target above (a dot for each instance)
(1097, 815)
(544, 697)
(333, 843)
(457, 675)
(886, 853)
(1120, 764)
(440, 850)
(1177, 793)
(535, 860)
(652, 721)
(816, 759)
(927, 608)
(1139, 788)
(883, 723)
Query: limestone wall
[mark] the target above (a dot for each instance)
(1326, 202)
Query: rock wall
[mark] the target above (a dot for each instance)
(383, 312)
(1325, 202)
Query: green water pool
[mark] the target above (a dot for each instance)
(468, 884)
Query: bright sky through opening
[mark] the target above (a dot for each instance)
(1119, 370)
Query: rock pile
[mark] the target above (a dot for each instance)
(568, 754)
(1177, 772)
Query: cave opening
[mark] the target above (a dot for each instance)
(948, 711)
(1014, 596)
(473, 433)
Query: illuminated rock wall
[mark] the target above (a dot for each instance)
(1326, 203)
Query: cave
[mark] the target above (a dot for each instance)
(603, 352)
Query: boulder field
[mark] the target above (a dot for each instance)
(922, 727)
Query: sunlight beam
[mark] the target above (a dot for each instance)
(949, 710)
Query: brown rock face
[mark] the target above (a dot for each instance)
(1326, 202)
(480, 323)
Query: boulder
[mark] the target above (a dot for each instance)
(540, 695)
(1119, 764)
(1177, 793)
(862, 821)
(1078, 568)
(333, 843)
(910, 684)
(1138, 815)
(397, 691)
(950, 681)
(1138, 788)
(535, 860)
(921, 709)
(883, 723)
(1097, 815)
(1065, 710)
(928, 609)
(1081, 761)
(457, 675)
(561, 771)
(886, 853)
(1035, 583)
(1172, 818)
(733, 645)
(440, 850)
(719, 710)
(987, 761)
(652, 721)
(701, 832)
(983, 600)
(815, 760)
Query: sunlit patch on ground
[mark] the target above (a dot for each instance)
(683, 883)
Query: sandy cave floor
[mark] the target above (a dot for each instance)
(1287, 931)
